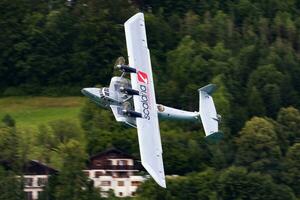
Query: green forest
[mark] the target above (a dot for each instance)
(250, 49)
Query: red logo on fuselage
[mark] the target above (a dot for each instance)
(144, 94)
(142, 77)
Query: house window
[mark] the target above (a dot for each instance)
(98, 163)
(120, 183)
(87, 173)
(108, 162)
(133, 193)
(29, 196)
(28, 182)
(105, 183)
(42, 181)
(108, 173)
(98, 174)
(122, 162)
(135, 183)
(122, 174)
(120, 194)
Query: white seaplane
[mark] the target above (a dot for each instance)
(133, 102)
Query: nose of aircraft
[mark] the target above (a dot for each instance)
(85, 91)
(91, 92)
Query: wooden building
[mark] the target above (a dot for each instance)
(115, 170)
(36, 176)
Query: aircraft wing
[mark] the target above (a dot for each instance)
(144, 103)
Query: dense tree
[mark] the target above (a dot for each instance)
(289, 126)
(255, 103)
(257, 146)
(290, 174)
(11, 186)
(54, 41)
(193, 186)
(10, 151)
(237, 183)
(184, 151)
(268, 82)
(232, 183)
(51, 141)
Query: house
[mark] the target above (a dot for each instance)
(115, 170)
(35, 178)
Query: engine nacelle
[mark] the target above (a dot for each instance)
(131, 113)
(129, 91)
(126, 68)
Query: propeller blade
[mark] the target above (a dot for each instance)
(120, 61)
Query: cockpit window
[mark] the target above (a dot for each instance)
(106, 91)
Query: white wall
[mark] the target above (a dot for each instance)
(125, 190)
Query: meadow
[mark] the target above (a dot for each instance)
(30, 112)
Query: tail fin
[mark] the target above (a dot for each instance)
(209, 117)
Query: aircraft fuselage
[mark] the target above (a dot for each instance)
(101, 96)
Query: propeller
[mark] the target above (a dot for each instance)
(120, 65)
(119, 62)
(127, 105)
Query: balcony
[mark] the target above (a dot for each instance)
(117, 167)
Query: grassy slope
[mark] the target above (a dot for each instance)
(29, 112)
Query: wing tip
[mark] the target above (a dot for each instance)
(162, 183)
(134, 17)
(159, 177)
